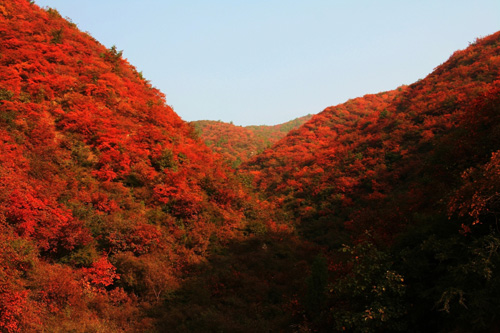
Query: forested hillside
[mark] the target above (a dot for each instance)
(106, 195)
(238, 143)
(406, 184)
(376, 215)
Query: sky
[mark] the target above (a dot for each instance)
(264, 62)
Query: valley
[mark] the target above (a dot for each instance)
(379, 214)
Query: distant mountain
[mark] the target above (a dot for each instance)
(239, 143)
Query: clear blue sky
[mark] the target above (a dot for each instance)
(269, 61)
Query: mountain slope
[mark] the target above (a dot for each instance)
(401, 176)
(359, 150)
(106, 195)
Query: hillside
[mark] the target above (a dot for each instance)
(238, 144)
(357, 152)
(106, 195)
(405, 185)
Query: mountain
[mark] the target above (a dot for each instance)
(376, 215)
(405, 185)
(359, 152)
(106, 195)
(238, 143)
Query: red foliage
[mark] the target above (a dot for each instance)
(107, 196)
(100, 275)
(93, 161)
(348, 162)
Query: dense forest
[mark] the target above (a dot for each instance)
(376, 215)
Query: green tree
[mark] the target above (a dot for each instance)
(368, 296)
